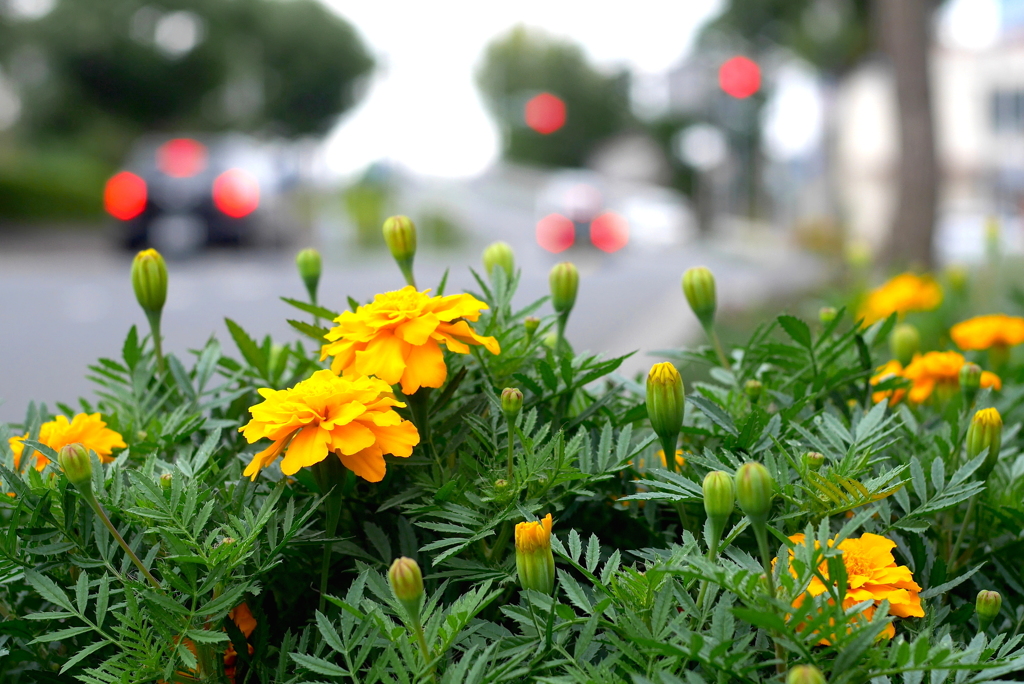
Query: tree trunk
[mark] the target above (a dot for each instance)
(905, 28)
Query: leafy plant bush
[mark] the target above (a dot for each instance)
(657, 579)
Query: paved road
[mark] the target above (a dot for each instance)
(66, 299)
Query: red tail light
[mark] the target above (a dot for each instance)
(555, 233)
(236, 193)
(125, 196)
(609, 232)
(181, 157)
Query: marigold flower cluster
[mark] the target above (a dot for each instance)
(985, 332)
(906, 292)
(87, 429)
(931, 373)
(872, 575)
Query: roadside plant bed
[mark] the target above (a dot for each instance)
(436, 487)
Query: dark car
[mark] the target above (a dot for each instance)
(179, 194)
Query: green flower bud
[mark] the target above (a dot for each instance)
(501, 484)
(970, 380)
(310, 266)
(666, 404)
(534, 560)
(753, 390)
(987, 607)
(149, 280)
(400, 236)
(805, 674)
(499, 254)
(564, 280)
(719, 495)
(166, 481)
(985, 436)
(699, 288)
(77, 466)
(550, 340)
(531, 323)
(827, 314)
(754, 490)
(407, 584)
(813, 460)
(958, 277)
(226, 541)
(904, 342)
(511, 402)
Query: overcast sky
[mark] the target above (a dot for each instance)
(423, 110)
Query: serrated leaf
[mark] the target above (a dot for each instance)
(318, 665)
(796, 329)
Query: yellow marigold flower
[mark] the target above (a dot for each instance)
(89, 430)
(984, 332)
(397, 337)
(906, 292)
(872, 575)
(534, 560)
(940, 371)
(352, 417)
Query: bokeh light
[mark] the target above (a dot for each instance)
(739, 77)
(236, 193)
(181, 157)
(609, 232)
(124, 196)
(545, 113)
(556, 233)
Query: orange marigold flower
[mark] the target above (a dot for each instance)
(893, 369)
(906, 292)
(89, 430)
(984, 332)
(352, 417)
(940, 371)
(398, 337)
(872, 575)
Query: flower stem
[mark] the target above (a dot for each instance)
(419, 404)
(102, 515)
(329, 473)
(563, 319)
(154, 327)
(761, 532)
(511, 444)
(963, 529)
(719, 350)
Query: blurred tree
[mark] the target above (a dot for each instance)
(526, 62)
(834, 35)
(105, 70)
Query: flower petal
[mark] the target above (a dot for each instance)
(424, 368)
(367, 464)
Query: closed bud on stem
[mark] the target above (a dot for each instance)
(987, 607)
(564, 280)
(827, 314)
(149, 280)
(407, 584)
(511, 402)
(813, 460)
(753, 389)
(499, 254)
(400, 237)
(531, 323)
(755, 489)
(165, 481)
(904, 342)
(534, 560)
(805, 674)
(77, 466)
(310, 266)
(970, 381)
(719, 497)
(985, 436)
(665, 404)
(699, 288)
(958, 277)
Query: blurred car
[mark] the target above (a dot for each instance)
(180, 194)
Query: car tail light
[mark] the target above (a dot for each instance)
(181, 157)
(236, 193)
(124, 197)
(556, 233)
(609, 232)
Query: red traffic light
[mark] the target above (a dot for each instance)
(545, 113)
(739, 77)
(124, 196)
(556, 233)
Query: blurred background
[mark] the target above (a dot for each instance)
(780, 142)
